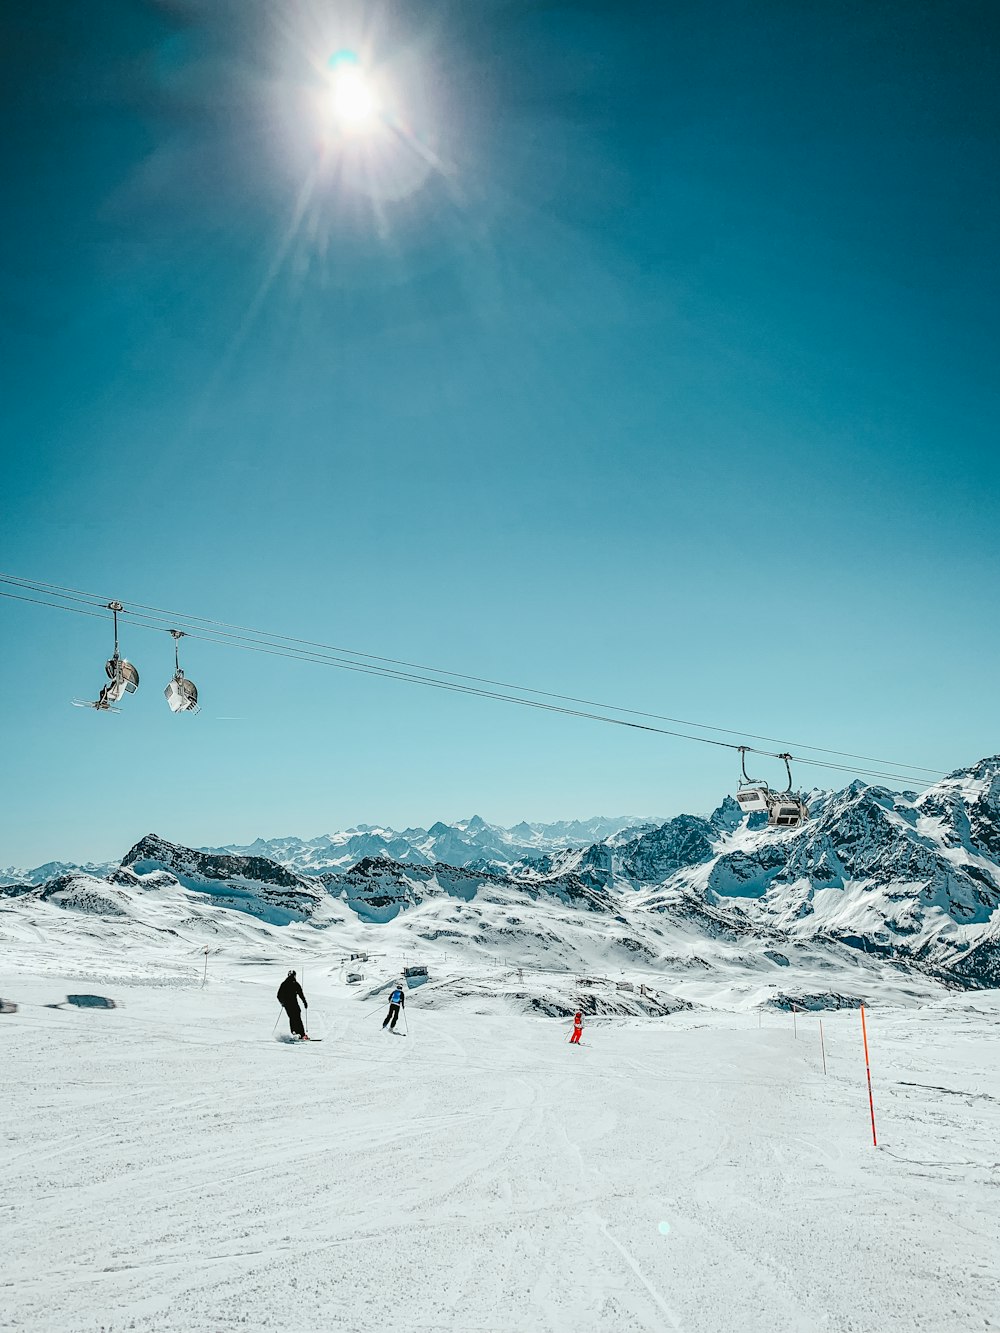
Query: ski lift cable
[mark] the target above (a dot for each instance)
(506, 685)
(97, 615)
(298, 654)
(275, 639)
(320, 659)
(231, 640)
(302, 656)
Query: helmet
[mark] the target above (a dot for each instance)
(292, 973)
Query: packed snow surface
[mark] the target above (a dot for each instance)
(172, 1164)
(171, 1161)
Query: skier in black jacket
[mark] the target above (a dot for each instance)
(289, 994)
(396, 1002)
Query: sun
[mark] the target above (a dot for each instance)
(353, 99)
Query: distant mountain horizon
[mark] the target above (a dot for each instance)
(460, 841)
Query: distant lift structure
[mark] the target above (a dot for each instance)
(783, 809)
(122, 676)
(181, 693)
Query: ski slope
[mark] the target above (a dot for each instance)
(171, 1165)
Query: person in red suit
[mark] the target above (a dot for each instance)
(577, 1028)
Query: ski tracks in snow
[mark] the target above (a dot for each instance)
(483, 1177)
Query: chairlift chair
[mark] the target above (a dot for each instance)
(752, 795)
(787, 812)
(122, 676)
(783, 809)
(181, 694)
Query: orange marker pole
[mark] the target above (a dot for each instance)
(795, 1026)
(868, 1072)
(822, 1048)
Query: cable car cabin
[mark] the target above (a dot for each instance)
(181, 694)
(786, 811)
(753, 799)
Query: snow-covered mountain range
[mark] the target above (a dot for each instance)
(459, 844)
(463, 843)
(51, 869)
(874, 885)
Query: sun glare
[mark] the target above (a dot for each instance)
(352, 97)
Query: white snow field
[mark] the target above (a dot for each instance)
(171, 1165)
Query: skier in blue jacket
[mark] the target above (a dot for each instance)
(396, 1002)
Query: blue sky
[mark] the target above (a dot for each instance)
(662, 371)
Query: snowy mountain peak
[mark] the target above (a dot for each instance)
(155, 853)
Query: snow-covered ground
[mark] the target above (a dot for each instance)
(172, 1165)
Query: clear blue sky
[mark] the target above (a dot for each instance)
(661, 370)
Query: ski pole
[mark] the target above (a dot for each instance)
(276, 1021)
